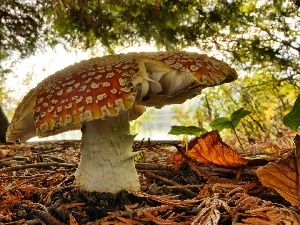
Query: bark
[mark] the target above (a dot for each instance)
(3, 125)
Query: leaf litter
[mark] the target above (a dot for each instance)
(36, 186)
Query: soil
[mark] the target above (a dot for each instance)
(36, 187)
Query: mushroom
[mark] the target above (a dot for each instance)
(96, 96)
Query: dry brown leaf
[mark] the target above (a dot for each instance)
(283, 176)
(72, 220)
(210, 149)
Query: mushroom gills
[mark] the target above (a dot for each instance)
(162, 81)
(162, 84)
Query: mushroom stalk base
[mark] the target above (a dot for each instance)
(106, 163)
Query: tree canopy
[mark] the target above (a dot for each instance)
(249, 32)
(260, 38)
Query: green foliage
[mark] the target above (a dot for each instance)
(250, 33)
(292, 119)
(135, 125)
(259, 38)
(189, 130)
(232, 122)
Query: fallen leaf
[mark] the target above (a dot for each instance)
(283, 176)
(210, 149)
(72, 220)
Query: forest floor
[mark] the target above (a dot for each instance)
(36, 187)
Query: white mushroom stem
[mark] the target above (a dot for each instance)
(106, 163)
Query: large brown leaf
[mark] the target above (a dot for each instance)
(283, 176)
(210, 149)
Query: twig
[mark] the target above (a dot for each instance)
(297, 159)
(193, 194)
(189, 161)
(149, 166)
(37, 165)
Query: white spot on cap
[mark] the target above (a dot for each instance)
(209, 68)
(105, 84)
(122, 82)
(82, 88)
(91, 73)
(69, 106)
(194, 68)
(110, 75)
(45, 105)
(177, 65)
(40, 100)
(43, 114)
(44, 127)
(125, 67)
(105, 111)
(49, 96)
(169, 61)
(55, 115)
(113, 91)
(125, 89)
(131, 98)
(59, 109)
(217, 66)
(64, 101)
(69, 89)
(199, 63)
(119, 105)
(51, 108)
(60, 92)
(102, 96)
(38, 109)
(60, 122)
(94, 85)
(76, 85)
(69, 119)
(86, 116)
(71, 82)
(81, 109)
(88, 80)
(98, 77)
(89, 100)
(53, 101)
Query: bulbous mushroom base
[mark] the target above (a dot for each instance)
(106, 163)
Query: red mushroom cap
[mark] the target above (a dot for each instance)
(103, 87)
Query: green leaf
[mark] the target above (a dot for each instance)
(220, 123)
(292, 119)
(236, 116)
(189, 130)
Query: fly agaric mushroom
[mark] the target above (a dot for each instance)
(96, 96)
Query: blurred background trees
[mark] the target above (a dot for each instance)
(261, 39)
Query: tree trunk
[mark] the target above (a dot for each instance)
(3, 125)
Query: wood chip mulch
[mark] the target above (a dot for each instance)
(36, 187)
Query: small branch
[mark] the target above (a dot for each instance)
(193, 194)
(37, 165)
(189, 161)
(149, 166)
